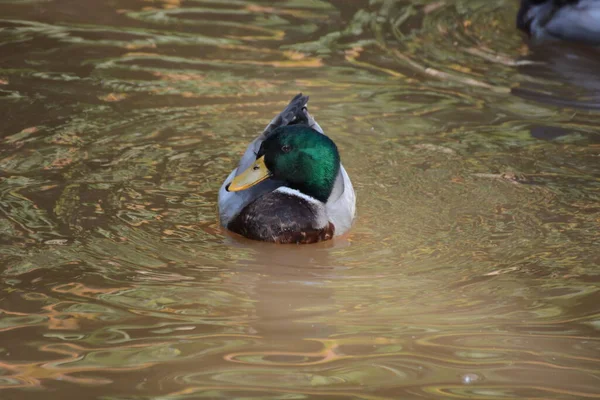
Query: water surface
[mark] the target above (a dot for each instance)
(471, 271)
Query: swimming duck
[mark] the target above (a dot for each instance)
(289, 186)
(573, 20)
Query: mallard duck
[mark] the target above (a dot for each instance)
(573, 20)
(289, 186)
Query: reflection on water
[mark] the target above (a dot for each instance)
(573, 64)
(471, 272)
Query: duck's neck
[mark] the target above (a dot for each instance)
(298, 193)
(315, 190)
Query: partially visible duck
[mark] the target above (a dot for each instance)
(289, 186)
(572, 20)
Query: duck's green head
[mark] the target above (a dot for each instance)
(297, 155)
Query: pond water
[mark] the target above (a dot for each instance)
(472, 270)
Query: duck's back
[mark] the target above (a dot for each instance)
(283, 216)
(578, 21)
(573, 20)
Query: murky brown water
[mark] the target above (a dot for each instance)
(471, 272)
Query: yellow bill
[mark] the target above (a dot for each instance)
(256, 173)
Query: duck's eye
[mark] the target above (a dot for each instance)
(286, 148)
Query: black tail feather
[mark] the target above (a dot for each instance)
(293, 114)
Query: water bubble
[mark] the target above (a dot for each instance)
(467, 379)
